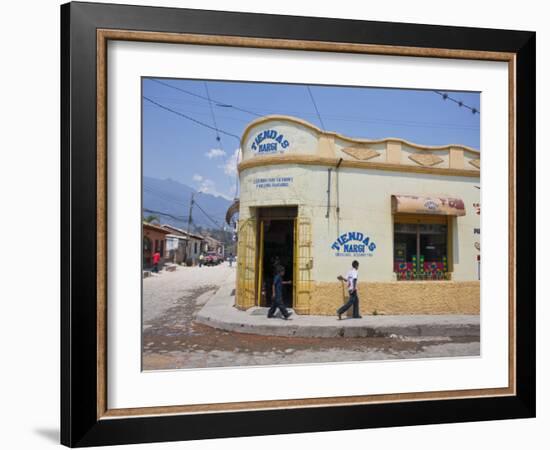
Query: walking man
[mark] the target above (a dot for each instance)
(277, 295)
(353, 300)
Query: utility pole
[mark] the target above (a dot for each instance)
(189, 226)
(190, 212)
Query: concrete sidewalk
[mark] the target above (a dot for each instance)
(220, 313)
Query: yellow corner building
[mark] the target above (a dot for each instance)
(313, 201)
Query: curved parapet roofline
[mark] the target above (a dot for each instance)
(312, 160)
(306, 124)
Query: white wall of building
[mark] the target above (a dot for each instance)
(364, 199)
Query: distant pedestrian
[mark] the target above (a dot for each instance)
(353, 300)
(277, 295)
(230, 259)
(201, 259)
(156, 260)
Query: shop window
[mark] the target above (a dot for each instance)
(420, 251)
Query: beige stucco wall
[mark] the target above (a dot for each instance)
(364, 199)
(408, 151)
(339, 145)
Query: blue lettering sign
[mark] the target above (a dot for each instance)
(272, 182)
(353, 243)
(278, 142)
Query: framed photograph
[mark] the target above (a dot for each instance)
(273, 224)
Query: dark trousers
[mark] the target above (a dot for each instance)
(352, 301)
(156, 267)
(277, 303)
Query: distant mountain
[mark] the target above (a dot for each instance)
(170, 200)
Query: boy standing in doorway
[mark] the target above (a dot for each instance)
(353, 300)
(277, 294)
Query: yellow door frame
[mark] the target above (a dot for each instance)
(295, 264)
(260, 265)
(260, 259)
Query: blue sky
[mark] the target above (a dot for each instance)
(180, 149)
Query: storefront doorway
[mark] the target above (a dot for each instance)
(276, 249)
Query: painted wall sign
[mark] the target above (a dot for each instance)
(269, 141)
(353, 243)
(272, 182)
(415, 204)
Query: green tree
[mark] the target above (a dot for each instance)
(151, 218)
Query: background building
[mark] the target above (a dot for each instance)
(213, 245)
(154, 240)
(194, 246)
(176, 245)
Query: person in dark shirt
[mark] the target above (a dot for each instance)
(277, 295)
(274, 265)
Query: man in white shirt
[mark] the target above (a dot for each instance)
(353, 300)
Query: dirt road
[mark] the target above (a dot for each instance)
(172, 340)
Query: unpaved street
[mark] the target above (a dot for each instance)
(172, 340)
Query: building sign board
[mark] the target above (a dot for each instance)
(353, 243)
(414, 204)
(268, 142)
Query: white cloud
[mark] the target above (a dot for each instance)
(230, 165)
(208, 186)
(215, 153)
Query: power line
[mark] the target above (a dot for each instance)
(366, 120)
(198, 122)
(218, 138)
(208, 99)
(163, 196)
(172, 199)
(207, 215)
(315, 106)
(460, 103)
(350, 119)
(160, 213)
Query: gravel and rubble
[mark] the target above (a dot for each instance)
(173, 339)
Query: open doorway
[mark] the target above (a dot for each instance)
(277, 228)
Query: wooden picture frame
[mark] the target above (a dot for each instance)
(86, 419)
